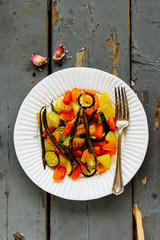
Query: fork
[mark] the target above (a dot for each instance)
(122, 121)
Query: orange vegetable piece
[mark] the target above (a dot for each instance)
(56, 135)
(78, 143)
(100, 168)
(45, 133)
(87, 98)
(92, 128)
(67, 97)
(37, 116)
(89, 111)
(112, 123)
(100, 144)
(99, 131)
(84, 156)
(80, 129)
(57, 151)
(59, 173)
(96, 104)
(77, 153)
(97, 150)
(110, 148)
(75, 94)
(49, 141)
(68, 128)
(76, 172)
(90, 92)
(67, 115)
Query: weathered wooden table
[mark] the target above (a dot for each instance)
(120, 37)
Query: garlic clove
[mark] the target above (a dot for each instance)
(38, 60)
(59, 53)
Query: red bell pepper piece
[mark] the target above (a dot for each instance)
(67, 115)
(99, 144)
(99, 131)
(68, 128)
(76, 172)
(100, 168)
(110, 148)
(59, 173)
(112, 123)
(77, 153)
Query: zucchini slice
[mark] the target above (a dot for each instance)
(89, 171)
(62, 136)
(69, 168)
(86, 101)
(52, 158)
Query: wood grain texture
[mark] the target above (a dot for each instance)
(146, 80)
(89, 24)
(22, 32)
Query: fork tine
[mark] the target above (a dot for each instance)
(116, 104)
(119, 104)
(126, 105)
(123, 103)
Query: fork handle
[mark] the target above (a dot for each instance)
(118, 187)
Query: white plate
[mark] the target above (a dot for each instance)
(27, 144)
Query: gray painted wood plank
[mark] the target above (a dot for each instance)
(22, 32)
(90, 24)
(146, 81)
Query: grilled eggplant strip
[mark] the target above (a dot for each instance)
(72, 136)
(88, 136)
(41, 137)
(53, 108)
(74, 128)
(104, 121)
(92, 115)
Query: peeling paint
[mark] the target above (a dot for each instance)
(138, 218)
(157, 116)
(85, 6)
(114, 53)
(26, 11)
(80, 57)
(144, 180)
(47, 22)
(129, 19)
(55, 14)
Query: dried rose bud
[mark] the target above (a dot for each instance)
(38, 60)
(59, 53)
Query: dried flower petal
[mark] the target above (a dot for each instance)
(18, 236)
(38, 60)
(59, 53)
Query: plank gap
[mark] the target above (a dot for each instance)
(49, 34)
(49, 20)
